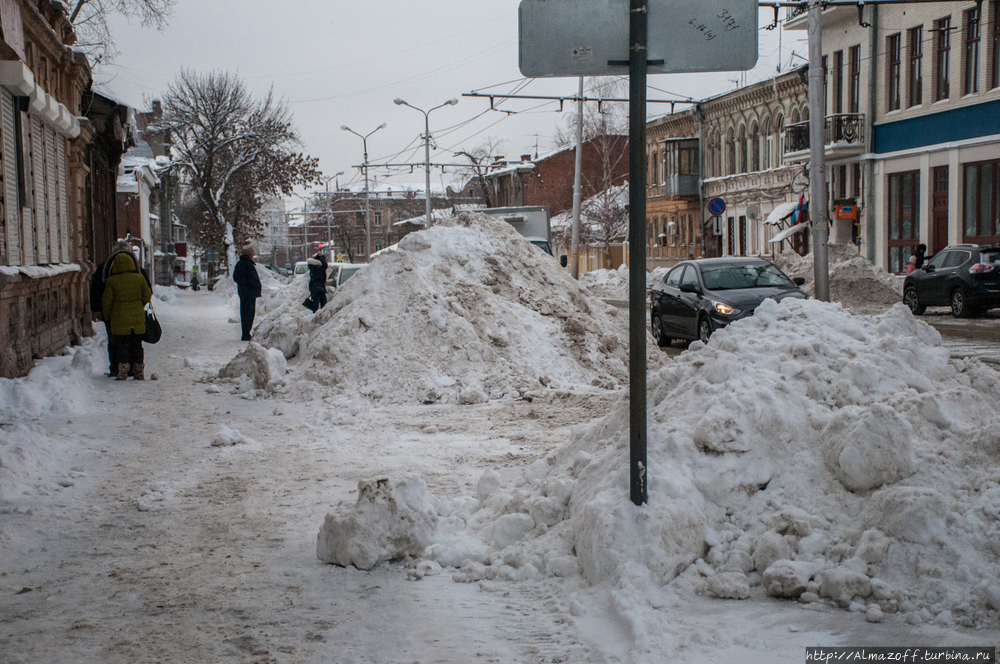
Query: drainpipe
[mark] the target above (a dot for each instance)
(869, 170)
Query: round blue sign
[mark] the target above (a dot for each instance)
(716, 206)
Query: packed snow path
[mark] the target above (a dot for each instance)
(133, 539)
(163, 548)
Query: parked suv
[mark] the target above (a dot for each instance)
(965, 277)
(697, 297)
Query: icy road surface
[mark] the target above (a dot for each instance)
(126, 537)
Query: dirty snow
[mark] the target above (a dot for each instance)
(854, 281)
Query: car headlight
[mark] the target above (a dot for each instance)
(725, 309)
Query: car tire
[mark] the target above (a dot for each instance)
(911, 300)
(704, 330)
(960, 307)
(657, 328)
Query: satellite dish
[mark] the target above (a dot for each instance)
(753, 212)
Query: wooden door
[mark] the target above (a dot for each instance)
(939, 210)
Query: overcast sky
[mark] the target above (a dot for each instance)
(339, 62)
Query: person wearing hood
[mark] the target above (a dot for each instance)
(317, 281)
(97, 284)
(126, 294)
(248, 287)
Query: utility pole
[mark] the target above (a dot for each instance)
(427, 149)
(817, 162)
(368, 209)
(575, 245)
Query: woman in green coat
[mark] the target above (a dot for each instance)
(126, 295)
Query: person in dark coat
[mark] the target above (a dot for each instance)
(317, 281)
(126, 294)
(97, 285)
(249, 288)
(194, 282)
(921, 250)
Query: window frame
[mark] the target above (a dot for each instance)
(854, 79)
(894, 53)
(995, 74)
(942, 59)
(915, 37)
(980, 237)
(972, 37)
(904, 246)
(838, 82)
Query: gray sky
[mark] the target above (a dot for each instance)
(342, 63)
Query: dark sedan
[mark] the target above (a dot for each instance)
(698, 297)
(965, 277)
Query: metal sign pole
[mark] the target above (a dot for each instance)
(817, 165)
(637, 246)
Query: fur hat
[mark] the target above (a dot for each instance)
(247, 249)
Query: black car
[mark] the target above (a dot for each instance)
(700, 296)
(965, 277)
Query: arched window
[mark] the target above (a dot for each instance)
(743, 149)
(781, 142)
(768, 144)
(717, 165)
(754, 147)
(805, 114)
(731, 153)
(795, 116)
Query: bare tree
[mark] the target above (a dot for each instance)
(605, 134)
(480, 160)
(90, 21)
(231, 151)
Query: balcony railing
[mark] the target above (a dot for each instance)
(840, 128)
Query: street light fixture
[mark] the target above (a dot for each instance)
(427, 148)
(368, 211)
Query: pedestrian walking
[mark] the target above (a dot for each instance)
(126, 294)
(317, 281)
(97, 285)
(194, 282)
(921, 251)
(248, 287)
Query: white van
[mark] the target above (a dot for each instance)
(341, 272)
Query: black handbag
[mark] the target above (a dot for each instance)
(153, 329)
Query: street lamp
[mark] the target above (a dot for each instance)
(326, 181)
(368, 210)
(427, 148)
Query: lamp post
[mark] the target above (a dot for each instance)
(368, 210)
(427, 148)
(326, 183)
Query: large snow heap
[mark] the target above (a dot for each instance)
(824, 455)
(461, 313)
(854, 281)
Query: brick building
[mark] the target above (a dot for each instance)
(48, 243)
(548, 179)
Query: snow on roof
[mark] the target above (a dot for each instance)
(780, 211)
(436, 215)
(617, 195)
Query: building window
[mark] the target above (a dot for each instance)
(995, 78)
(838, 82)
(378, 246)
(892, 76)
(942, 59)
(856, 180)
(359, 219)
(654, 173)
(904, 218)
(378, 218)
(755, 147)
(982, 198)
(768, 144)
(841, 181)
(916, 77)
(854, 82)
(743, 149)
(779, 157)
(970, 82)
(360, 249)
(826, 96)
(688, 161)
(731, 150)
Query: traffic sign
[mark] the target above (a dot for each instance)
(716, 206)
(591, 37)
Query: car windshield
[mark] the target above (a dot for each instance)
(746, 275)
(347, 273)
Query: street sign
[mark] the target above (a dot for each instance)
(591, 37)
(716, 206)
(195, 268)
(716, 226)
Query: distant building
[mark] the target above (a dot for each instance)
(548, 179)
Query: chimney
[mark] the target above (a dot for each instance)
(525, 157)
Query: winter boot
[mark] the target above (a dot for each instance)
(123, 371)
(139, 369)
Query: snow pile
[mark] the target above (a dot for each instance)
(226, 287)
(821, 455)
(56, 385)
(463, 312)
(611, 284)
(227, 437)
(391, 520)
(282, 322)
(854, 281)
(166, 294)
(264, 366)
